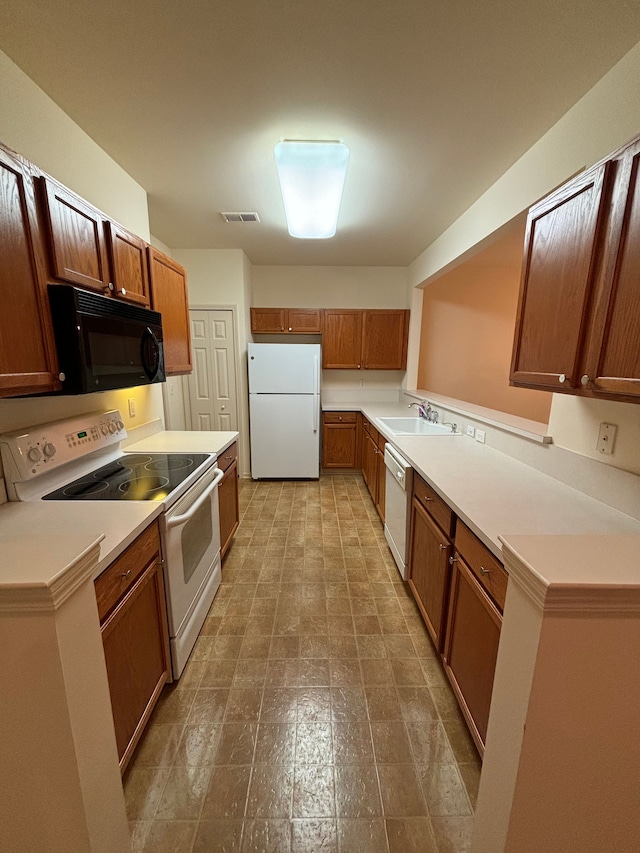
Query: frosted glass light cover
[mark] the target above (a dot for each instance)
(312, 178)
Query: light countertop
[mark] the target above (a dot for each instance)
(184, 441)
(498, 496)
(39, 539)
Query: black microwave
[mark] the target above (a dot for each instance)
(104, 343)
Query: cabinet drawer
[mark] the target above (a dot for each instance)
(228, 456)
(339, 417)
(489, 571)
(120, 576)
(434, 505)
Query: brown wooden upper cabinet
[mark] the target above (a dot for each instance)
(128, 262)
(295, 321)
(374, 339)
(169, 296)
(578, 321)
(77, 244)
(28, 361)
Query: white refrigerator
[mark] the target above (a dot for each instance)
(284, 410)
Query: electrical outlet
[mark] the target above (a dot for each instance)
(471, 431)
(480, 435)
(132, 407)
(362, 383)
(606, 439)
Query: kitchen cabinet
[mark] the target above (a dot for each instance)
(77, 246)
(369, 340)
(578, 319)
(133, 622)
(432, 525)
(339, 440)
(128, 263)
(28, 363)
(342, 339)
(297, 321)
(228, 497)
(373, 467)
(384, 339)
(169, 296)
(473, 630)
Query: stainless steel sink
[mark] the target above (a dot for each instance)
(414, 426)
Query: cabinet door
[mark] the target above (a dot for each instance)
(128, 262)
(77, 244)
(562, 244)
(384, 340)
(228, 503)
(304, 321)
(342, 339)
(429, 571)
(471, 648)
(338, 445)
(267, 320)
(169, 296)
(137, 657)
(27, 351)
(381, 483)
(612, 365)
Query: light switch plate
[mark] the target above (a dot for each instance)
(480, 434)
(606, 439)
(132, 407)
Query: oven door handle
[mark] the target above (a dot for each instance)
(181, 519)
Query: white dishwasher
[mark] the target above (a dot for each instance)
(399, 482)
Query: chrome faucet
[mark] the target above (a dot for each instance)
(424, 409)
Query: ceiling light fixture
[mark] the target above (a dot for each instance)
(312, 175)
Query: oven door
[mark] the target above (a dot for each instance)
(190, 533)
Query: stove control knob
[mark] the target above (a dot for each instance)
(49, 450)
(34, 455)
(120, 424)
(112, 427)
(104, 429)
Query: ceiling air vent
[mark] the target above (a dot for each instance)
(240, 217)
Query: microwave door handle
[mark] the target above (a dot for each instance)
(177, 520)
(150, 369)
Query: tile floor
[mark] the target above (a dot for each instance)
(314, 714)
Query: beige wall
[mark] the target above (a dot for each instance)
(330, 287)
(468, 318)
(221, 278)
(34, 126)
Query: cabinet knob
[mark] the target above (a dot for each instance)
(426, 499)
(442, 547)
(562, 378)
(484, 571)
(339, 419)
(125, 575)
(585, 380)
(290, 329)
(358, 367)
(452, 560)
(122, 291)
(110, 286)
(62, 376)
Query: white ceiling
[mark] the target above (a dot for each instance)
(436, 99)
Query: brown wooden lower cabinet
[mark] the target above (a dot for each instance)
(132, 608)
(471, 648)
(429, 571)
(339, 440)
(228, 505)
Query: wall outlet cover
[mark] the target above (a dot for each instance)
(480, 434)
(606, 439)
(471, 431)
(132, 407)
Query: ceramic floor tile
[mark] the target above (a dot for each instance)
(314, 715)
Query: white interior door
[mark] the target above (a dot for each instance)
(213, 399)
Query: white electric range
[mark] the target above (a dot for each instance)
(81, 459)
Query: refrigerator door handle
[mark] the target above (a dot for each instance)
(316, 392)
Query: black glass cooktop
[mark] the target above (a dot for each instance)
(133, 477)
